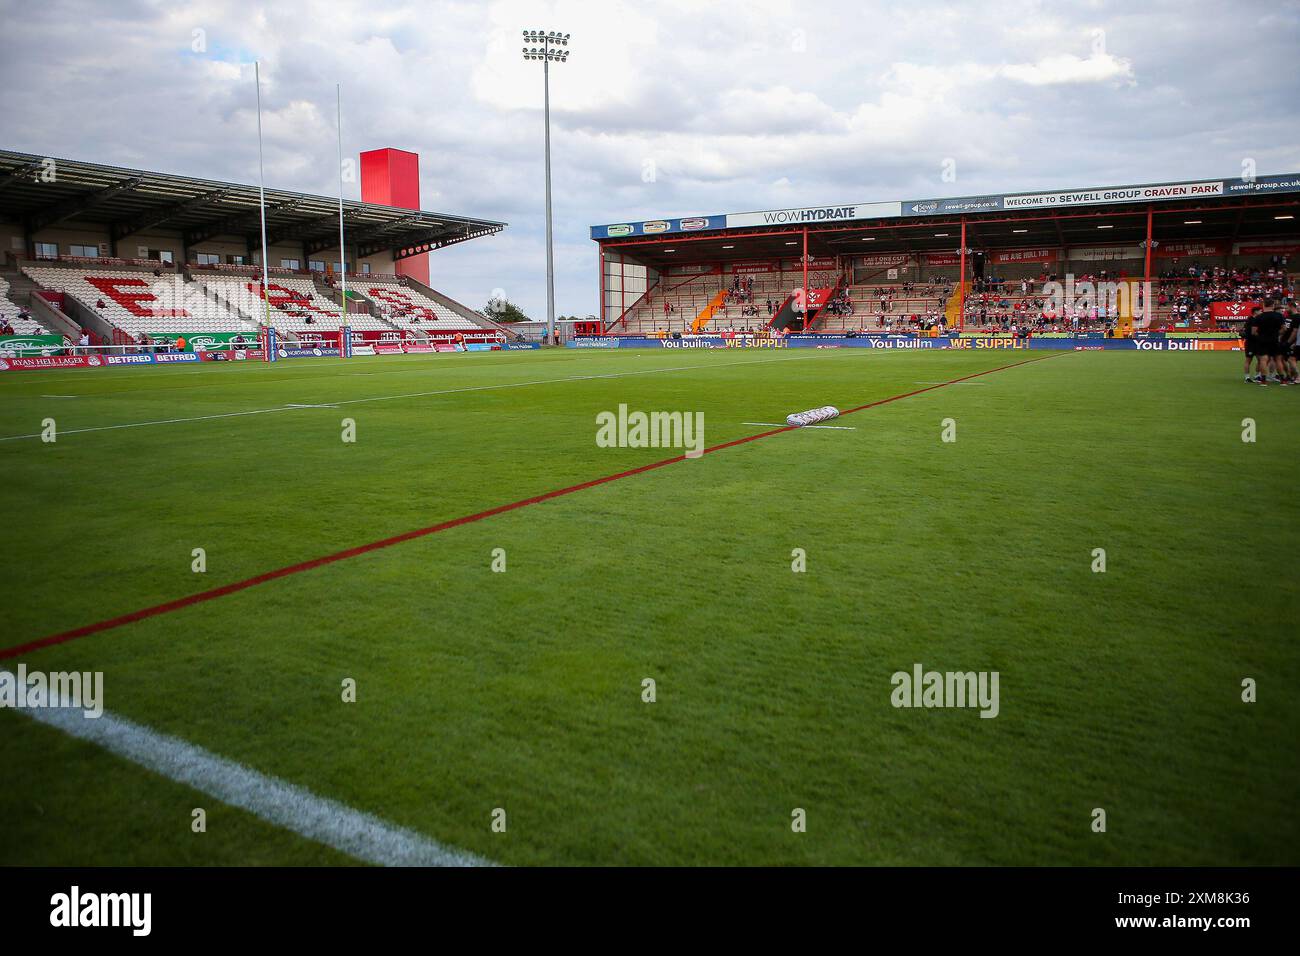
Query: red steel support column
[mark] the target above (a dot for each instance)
(600, 285)
(1148, 307)
(1146, 276)
(805, 280)
(961, 280)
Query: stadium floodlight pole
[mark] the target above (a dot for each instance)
(261, 194)
(551, 47)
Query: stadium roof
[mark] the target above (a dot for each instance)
(1263, 209)
(38, 191)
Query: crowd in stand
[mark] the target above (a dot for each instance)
(742, 288)
(1186, 294)
(742, 291)
(1183, 295)
(916, 322)
(910, 290)
(7, 328)
(841, 303)
(409, 313)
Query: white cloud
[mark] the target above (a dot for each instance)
(734, 104)
(1068, 68)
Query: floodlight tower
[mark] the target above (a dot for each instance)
(548, 47)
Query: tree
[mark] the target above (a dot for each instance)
(503, 310)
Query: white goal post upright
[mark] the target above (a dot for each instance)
(261, 195)
(345, 333)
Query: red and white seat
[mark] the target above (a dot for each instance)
(140, 301)
(406, 307)
(10, 312)
(296, 304)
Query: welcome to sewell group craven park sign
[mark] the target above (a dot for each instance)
(850, 212)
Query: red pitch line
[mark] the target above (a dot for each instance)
(237, 586)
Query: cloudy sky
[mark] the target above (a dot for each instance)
(664, 108)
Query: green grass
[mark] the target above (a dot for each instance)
(522, 690)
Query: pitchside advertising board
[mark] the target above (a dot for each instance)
(912, 342)
(998, 202)
(206, 341)
(977, 343)
(22, 346)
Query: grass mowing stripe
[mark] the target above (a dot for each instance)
(237, 586)
(360, 835)
(390, 398)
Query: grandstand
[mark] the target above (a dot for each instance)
(401, 304)
(1204, 249)
(123, 253)
(135, 301)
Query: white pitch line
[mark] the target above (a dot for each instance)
(291, 405)
(838, 428)
(389, 398)
(360, 835)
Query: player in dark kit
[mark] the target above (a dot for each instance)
(1290, 341)
(1265, 341)
(1248, 342)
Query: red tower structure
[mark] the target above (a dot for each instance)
(391, 177)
